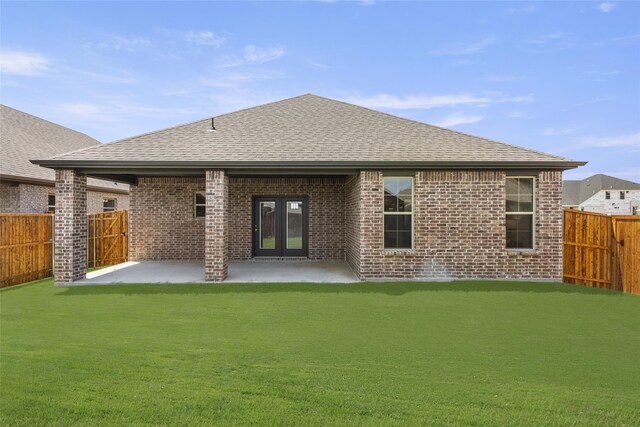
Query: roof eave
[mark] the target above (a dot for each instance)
(114, 164)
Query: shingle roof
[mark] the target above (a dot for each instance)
(307, 129)
(575, 192)
(24, 137)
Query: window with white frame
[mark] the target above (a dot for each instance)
(520, 208)
(607, 195)
(51, 203)
(108, 205)
(622, 195)
(199, 204)
(398, 212)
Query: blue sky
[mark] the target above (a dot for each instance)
(558, 77)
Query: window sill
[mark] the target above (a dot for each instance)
(400, 252)
(525, 252)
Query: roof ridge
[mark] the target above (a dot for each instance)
(50, 122)
(442, 128)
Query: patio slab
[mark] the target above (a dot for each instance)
(239, 272)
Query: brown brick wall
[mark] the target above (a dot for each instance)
(459, 223)
(18, 197)
(459, 229)
(216, 250)
(163, 227)
(70, 248)
(352, 223)
(326, 213)
(161, 219)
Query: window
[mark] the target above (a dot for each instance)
(398, 209)
(622, 195)
(199, 204)
(108, 205)
(607, 195)
(51, 203)
(519, 209)
(635, 210)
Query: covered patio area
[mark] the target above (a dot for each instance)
(254, 271)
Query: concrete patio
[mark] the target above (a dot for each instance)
(253, 271)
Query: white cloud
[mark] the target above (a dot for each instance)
(207, 38)
(464, 49)
(628, 141)
(24, 63)
(417, 101)
(117, 42)
(457, 119)
(258, 55)
(607, 6)
(632, 140)
(555, 132)
(118, 108)
(518, 114)
(523, 10)
(238, 79)
(548, 38)
(424, 102)
(502, 78)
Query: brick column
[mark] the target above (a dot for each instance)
(371, 225)
(70, 249)
(216, 233)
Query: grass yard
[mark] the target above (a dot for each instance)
(483, 353)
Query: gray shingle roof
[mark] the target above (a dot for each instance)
(307, 129)
(575, 192)
(24, 137)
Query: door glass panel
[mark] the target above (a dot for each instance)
(294, 224)
(267, 225)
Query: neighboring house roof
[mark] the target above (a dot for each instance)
(307, 131)
(24, 137)
(575, 192)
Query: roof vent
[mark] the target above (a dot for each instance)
(213, 125)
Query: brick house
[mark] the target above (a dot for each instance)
(27, 188)
(314, 178)
(602, 194)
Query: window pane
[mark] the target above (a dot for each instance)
(200, 211)
(391, 222)
(526, 203)
(52, 200)
(391, 240)
(294, 225)
(519, 231)
(404, 202)
(391, 186)
(201, 199)
(512, 203)
(512, 186)
(404, 223)
(397, 231)
(404, 240)
(390, 203)
(525, 185)
(404, 185)
(267, 225)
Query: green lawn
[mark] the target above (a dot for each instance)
(482, 353)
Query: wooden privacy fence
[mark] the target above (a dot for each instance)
(26, 244)
(26, 247)
(108, 238)
(602, 251)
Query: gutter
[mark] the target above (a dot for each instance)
(52, 183)
(306, 165)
